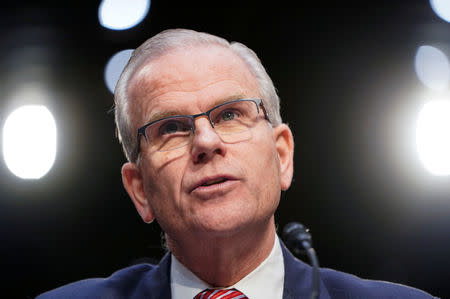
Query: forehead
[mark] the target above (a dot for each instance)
(186, 77)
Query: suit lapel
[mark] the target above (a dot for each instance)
(156, 283)
(298, 278)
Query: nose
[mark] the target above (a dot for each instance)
(206, 142)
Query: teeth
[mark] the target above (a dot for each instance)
(214, 182)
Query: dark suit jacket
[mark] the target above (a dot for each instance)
(153, 281)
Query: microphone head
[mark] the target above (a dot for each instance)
(297, 237)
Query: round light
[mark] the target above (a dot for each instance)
(114, 68)
(432, 67)
(120, 14)
(441, 8)
(433, 137)
(29, 141)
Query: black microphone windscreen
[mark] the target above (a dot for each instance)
(296, 236)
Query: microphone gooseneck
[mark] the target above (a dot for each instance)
(299, 240)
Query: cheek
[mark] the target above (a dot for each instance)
(166, 169)
(268, 158)
(163, 184)
(271, 176)
(264, 171)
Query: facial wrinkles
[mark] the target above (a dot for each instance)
(183, 102)
(157, 192)
(194, 90)
(176, 71)
(172, 73)
(163, 163)
(183, 210)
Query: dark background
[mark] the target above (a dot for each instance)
(345, 75)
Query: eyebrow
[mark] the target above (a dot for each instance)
(161, 115)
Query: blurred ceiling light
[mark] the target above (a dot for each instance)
(114, 68)
(441, 8)
(29, 141)
(122, 14)
(433, 137)
(432, 67)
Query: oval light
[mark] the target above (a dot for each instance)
(441, 8)
(114, 68)
(432, 67)
(433, 137)
(29, 141)
(120, 14)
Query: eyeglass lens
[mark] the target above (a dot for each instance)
(231, 121)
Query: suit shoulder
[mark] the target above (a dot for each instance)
(118, 285)
(344, 284)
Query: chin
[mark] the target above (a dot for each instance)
(224, 227)
(219, 225)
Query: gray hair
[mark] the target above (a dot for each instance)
(161, 44)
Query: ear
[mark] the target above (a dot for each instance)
(284, 142)
(133, 183)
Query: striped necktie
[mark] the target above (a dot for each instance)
(220, 294)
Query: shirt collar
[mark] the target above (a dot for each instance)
(265, 281)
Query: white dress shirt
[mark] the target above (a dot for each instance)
(266, 281)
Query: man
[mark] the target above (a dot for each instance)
(208, 156)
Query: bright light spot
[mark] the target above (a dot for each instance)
(29, 141)
(433, 137)
(441, 8)
(114, 68)
(432, 67)
(122, 14)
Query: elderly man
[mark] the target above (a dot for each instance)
(208, 156)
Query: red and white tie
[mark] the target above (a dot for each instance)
(220, 294)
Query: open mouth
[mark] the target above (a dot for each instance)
(211, 181)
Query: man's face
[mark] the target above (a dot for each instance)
(208, 187)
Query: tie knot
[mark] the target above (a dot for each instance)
(220, 294)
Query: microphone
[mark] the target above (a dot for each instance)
(298, 239)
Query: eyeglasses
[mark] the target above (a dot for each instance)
(232, 121)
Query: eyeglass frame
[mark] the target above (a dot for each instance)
(258, 102)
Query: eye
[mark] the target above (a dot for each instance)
(228, 115)
(173, 127)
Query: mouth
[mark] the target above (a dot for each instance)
(214, 181)
(211, 181)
